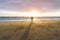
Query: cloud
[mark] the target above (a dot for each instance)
(23, 5)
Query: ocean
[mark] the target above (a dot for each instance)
(5, 19)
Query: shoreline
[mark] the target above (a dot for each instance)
(25, 20)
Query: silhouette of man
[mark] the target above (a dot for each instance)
(31, 19)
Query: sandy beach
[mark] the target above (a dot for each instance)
(41, 30)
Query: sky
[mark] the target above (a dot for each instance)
(52, 7)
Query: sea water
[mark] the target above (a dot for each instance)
(5, 19)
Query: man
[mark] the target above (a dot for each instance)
(31, 19)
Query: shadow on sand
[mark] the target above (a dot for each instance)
(26, 33)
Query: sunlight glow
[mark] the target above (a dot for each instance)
(32, 13)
